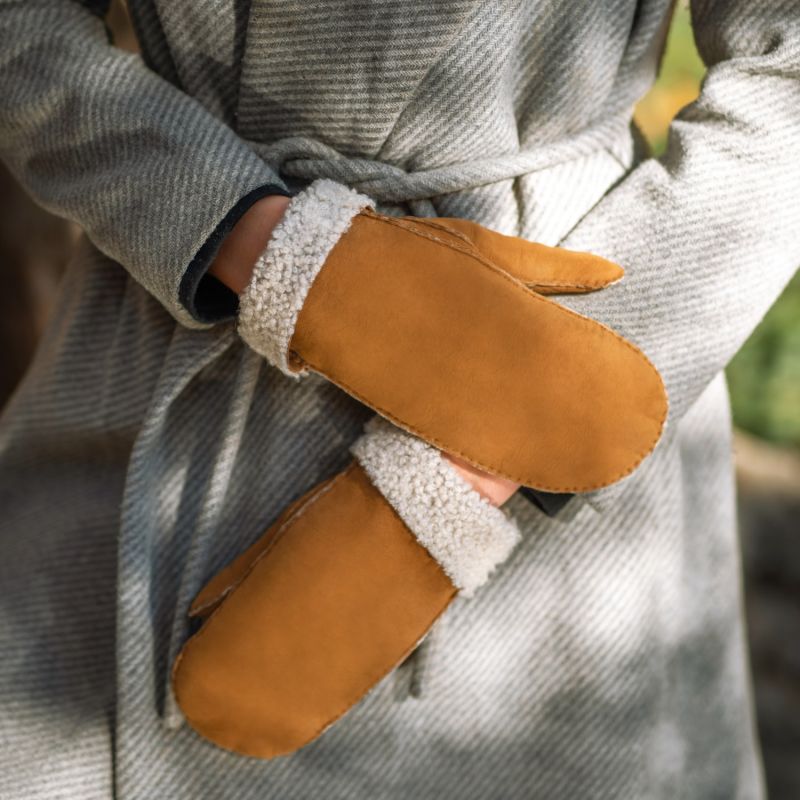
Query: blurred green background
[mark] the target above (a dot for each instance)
(764, 377)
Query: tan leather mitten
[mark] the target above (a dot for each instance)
(441, 326)
(334, 595)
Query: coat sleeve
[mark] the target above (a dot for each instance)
(709, 234)
(97, 137)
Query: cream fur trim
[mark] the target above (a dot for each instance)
(312, 224)
(464, 532)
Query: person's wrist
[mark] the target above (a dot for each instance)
(237, 256)
(494, 489)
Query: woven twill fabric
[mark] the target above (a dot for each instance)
(147, 445)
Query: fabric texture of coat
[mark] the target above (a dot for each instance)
(147, 445)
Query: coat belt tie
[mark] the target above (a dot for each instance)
(306, 159)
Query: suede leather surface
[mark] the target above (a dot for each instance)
(546, 270)
(334, 596)
(209, 597)
(430, 332)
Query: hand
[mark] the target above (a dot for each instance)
(444, 327)
(234, 266)
(336, 593)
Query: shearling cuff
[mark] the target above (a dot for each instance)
(464, 532)
(312, 224)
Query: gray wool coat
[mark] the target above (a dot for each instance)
(147, 445)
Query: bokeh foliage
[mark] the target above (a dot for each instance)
(764, 377)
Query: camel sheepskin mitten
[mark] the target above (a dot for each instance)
(336, 593)
(443, 327)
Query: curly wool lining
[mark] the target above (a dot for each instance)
(312, 224)
(463, 531)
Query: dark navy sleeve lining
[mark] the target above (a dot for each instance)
(207, 299)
